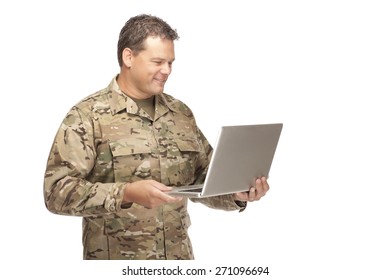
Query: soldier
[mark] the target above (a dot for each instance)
(118, 152)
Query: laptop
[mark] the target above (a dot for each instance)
(242, 154)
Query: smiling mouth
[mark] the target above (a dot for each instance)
(161, 82)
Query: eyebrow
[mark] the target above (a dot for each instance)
(163, 59)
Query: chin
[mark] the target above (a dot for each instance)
(159, 91)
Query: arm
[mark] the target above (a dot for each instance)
(70, 187)
(72, 157)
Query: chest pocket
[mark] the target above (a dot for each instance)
(131, 159)
(182, 159)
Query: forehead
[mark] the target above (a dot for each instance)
(155, 46)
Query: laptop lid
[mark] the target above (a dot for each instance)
(241, 155)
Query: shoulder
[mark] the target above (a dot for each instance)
(84, 110)
(177, 105)
(98, 99)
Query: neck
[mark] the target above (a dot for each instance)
(128, 88)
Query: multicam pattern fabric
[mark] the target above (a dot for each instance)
(106, 141)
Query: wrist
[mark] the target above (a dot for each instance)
(127, 194)
(241, 204)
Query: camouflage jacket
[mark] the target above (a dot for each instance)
(106, 141)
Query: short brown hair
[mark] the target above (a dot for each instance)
(138, 28)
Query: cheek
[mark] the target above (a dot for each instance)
(140, 76)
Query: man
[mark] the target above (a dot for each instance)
(120, 150)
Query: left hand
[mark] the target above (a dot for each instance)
(254, 193)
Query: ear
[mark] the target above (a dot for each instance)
(127, 57)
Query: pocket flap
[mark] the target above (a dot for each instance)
(129, 146)
(187, 144)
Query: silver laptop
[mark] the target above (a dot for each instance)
(241, 155)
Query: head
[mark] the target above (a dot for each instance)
(137, 29)
(145, 55)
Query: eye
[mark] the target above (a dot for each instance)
(158, 62)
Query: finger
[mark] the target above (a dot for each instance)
(252, 194)
(168, 198)
(261, 187)
(265, 184)
(257, 190)
(158, 201)
(161, 186)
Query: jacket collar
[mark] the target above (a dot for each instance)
(119, 101)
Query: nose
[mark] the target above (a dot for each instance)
(166, 68)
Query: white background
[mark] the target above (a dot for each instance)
(320, 67)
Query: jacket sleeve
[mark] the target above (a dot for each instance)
(72, 157)
(223, 202)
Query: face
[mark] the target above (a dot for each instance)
(150, 68)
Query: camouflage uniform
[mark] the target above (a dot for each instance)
(106, 141)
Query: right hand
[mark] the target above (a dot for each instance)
(148, 193)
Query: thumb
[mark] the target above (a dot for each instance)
(242, 196)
